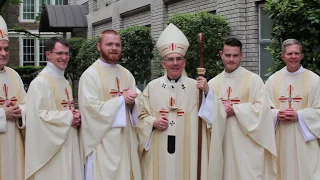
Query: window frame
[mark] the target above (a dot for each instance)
(34, 52)
(36, 10)
(36, 45)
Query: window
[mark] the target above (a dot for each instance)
(30, 8)
(32, 51)
(265, 28)
(42, 54)
(28, 51)
(41, 2)
(213, 12)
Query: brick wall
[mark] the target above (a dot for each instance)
(242, 16)
(89, 19)
(14, 57)
(101, 3)
(252, 36)
(159, 12)
(190, 6)
(11, 14)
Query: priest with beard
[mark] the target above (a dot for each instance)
(107, 96)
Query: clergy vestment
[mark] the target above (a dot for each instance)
(297, 142)
(171, 154)
(108, 127)
(242, 146)
(52, 145)
(11, 134)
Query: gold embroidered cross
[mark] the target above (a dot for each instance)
(116, 92)
(233, 101)
(6, 98)
(290, 99)
(68, 102)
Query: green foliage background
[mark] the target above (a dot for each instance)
(88, 53)
(73, 70)
(137, 47)
(27, 73)
(215, 29)
(298, 19)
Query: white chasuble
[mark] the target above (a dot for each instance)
(107, 131)
(171, 154)
(243, 145)
(297, 142)
(11, 133)
(52, 145)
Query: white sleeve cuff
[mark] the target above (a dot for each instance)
(121, 117)
(276, 121)
(3, 121)
(134, 116)
(306, 133)
(23, 118)
(206, 108)
(148, 144)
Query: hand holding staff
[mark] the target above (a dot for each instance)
(201, 72)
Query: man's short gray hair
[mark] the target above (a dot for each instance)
(290, 42)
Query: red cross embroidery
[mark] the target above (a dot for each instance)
(116, 92)
(6, 98)
(180, 112)
(68, 102)
(173, 46)
(163, 112)
(172, 102)
(290, 99)
(2, 34)
(233, 101)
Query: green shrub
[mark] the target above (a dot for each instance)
(137, 47)
(27, 70)
(215, 30)
(73, 70)
(88, 54)
(27, 73)
(298, 19)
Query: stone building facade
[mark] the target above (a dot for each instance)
(246, 19)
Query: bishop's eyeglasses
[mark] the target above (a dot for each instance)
(171, 59)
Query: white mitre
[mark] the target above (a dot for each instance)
(3, 29)
(172, 40)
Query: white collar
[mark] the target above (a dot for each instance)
(102, 63)
(236, 72)
(51, 68)
(300, 70)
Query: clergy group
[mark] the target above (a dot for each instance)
(250, 130)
